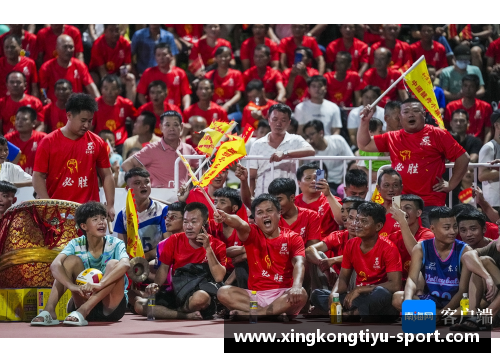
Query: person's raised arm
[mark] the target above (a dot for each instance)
(242, 174)
(281, 92)
(39, 184)
(216, 269)
(320, 61)
(108, 184)
(335, 206)
(408, 238)
(488, 210)
(416, 263)
(364, 140)
(253, 178)
(130, 87)
(283, 61)
(235, 222)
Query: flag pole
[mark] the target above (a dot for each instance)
(419, 60)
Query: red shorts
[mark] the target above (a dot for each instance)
(266, 297)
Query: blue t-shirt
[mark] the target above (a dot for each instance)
(144, 46)
(13, 151)
(438, 91)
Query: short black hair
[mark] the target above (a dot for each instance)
(87, 210)
(111, 78)
(392, 105)
(163, 45)
(318, 125)
(3, 141)
(132, 150)
(136, 171)
(209, 82)
(473, 215)
(264, 48)
(7, 187)
(105, 132)
(391, 172)
(282, 108)
(15, 71)
(171, 114)
(15, 37)
(417, 200)
(460, 111)
(177, 206)
(459, 208)
(412, 100)
(440, 212)
(263, 123)
(64, 81)
(346, 55)
(306, 166)
(471, 78)
(149, 120)
(31, 112)
(308, 51)
(221, 50)
(356, 178)
(282, 185)
(231, 194)
(157, 83)
(316, 78)
(294, 124)
(198, 206)
(265, 197)
(356, 201)
(375, 124)
(78, 102)
(376, 211)
(372, 88)
(254, 84)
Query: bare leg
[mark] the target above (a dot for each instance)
(198, 301)
(397, 300)
(161, 312)
(234, 298)
(282, 305)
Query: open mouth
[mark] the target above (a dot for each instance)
(267, 223)
(144, 192)
(102, 229)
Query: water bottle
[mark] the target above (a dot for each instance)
(151, 305)
(253, 307)
(464, 304)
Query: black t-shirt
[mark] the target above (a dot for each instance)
(471, 144)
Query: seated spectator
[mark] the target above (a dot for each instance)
(28, 41)
(295, 78)
(368, 95)
(491, 214)
(143, 46)
(332, 145)
(348, 43)
(343, 85)
(259, 37)
(115, 159)
(293, 128)
(289, 45)
(489, 152)
(372, 33)
(459, 126)
(382, 76)
(374, 128)
(174, 220)
(143, 133)
(186, 34)
(113, 111)
(205, 48)
(450, 78)
(434, 52)
(54, 113)
(105, 301)
(46, 42)
(356, 184)
(178, 88)
(65, 66)
(159, 157)
(10, 174)
(205, 107)
(492, 69)
(270, 77)
(261, 130)
(157, 91)
(317, 107)
(438, 91)
(479, 111)
(401, 52)
(472, 227)
(7, 194)
(17, 98)
(198, 124)
(13, 61)
(392, 116)
(389, 184)
(258, 105)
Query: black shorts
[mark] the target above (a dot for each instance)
(97, 314)
(168, 300)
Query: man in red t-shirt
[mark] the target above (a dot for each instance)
(65, 66)
(205, 254)
(28, 40)
(259, 37)
(205, 107)
(344, 86)
(178, 88)
(258, 105)
(479, 111)
(68, 160)
(389, 184)
(400, 50)
(348, 43)
(418, 153)
(55, 112)
(206, 46)
(288, 48)
(275, 258)
(46, 40)
(434, 52)
(26, 138)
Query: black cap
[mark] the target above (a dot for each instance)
(462, 52)
(495, 116)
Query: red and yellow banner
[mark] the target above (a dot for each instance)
(134, 244)
(465, 196)
(247, 132)
(188, 168)
(213, 134)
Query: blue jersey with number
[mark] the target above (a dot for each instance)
(442, 277)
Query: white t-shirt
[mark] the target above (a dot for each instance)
(337, 146)
(491, 190)
(326, 112)
(13, 173)
(354, 120)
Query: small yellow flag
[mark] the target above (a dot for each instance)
(376, 197)
(134, 244)
(188, 168)
(213, 135)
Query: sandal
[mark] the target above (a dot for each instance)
(81, 321)
(47, 320)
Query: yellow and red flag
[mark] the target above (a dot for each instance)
(465, 196)
(197, 65)
(213, 134)
(466, 33)
(247, 132)
(376, 197)
(188, 168)
(134, 244)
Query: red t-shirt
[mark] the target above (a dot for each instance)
(248, 48)
(358, 51)
(113, 117)
(28, 44)
(213, 113)
(371, 77)
(77, 73)
(493, 51)
(322, 207)
(176, 80)
(54, 116)
(370, 38)
(71, 165)
(150, 108)
(401, 54)
(270, 79)
(299, 93)
(479, 115)
(307, 224)
(372, 267)
(189, 32)
(270, 260)
(247, 114)
(46, 41)
(8, 110)
(335, 243)
(26, 66)
(28, 148)
(420, 158)
(389, 227)
(342, 92)
(288, 47)
(226, 87)
(217, 231)
(435, 57)
(177, 252)
(112, 58)
(206, 51)
(195, 195)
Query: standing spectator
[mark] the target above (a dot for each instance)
(258, 107)
(16, 85)
(143, 133)
(343, 85)
(383, 77)
(47, 38)
(178, 89)
(434, 52)
(288, 48)
(65, 67)
(54, 113)
(479, 111)
(375, 128)
(317, 107)
(272, 78)
(400, 50)
(205, 107)
(348, 43)
(28, 41)
(459, 126)
(206, 46)
(248, 47)
(489, 176)
(13, 61)
(143, 46)
(492, 68)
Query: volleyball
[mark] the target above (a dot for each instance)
(89, 275)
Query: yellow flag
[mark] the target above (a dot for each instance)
(213, 135)
(188, 168)
(229, 152)
(376, 197)
(134, 244)
(419, 81)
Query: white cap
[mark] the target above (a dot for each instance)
(335, 295)
(465, 295)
